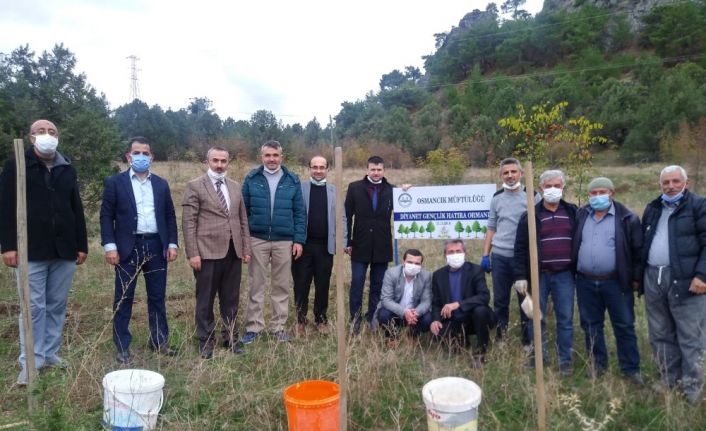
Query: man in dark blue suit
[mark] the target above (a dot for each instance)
(139, 234)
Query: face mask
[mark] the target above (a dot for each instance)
(46, 144)
(552, 195)
(140, 163)
(272, 171)
(456, 260)
(215, 175)
(599, 202)
(514, 187)
(673, 199)
(410, 269)
(318, 182)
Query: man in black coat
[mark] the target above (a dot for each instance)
(368, 212)
(56, 239)
(460, 299)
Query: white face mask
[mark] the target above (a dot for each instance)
(512, 187)
(215, 175)
(46, 144)
(411, 270)
(552, 194)
(456, 260)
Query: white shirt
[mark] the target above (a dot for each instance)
(408, 296)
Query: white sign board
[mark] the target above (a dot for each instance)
(442, 212)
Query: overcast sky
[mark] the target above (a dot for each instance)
(298, 59)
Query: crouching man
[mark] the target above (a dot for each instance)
(460, 300)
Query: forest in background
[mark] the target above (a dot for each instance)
(645, 84)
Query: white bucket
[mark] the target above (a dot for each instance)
(132, 399)
(452, 404)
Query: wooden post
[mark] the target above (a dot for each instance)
(340, 293)
(536, 314)
(22, 272)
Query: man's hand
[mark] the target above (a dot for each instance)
(9, 258)
(448, 309)
(436, 327)
(112, 257)
(81, 257)
(485, 263)
(521, 287)
(195, 263)
(410, 316)
(171, 254)
(246, 259)
(348, 250)
(697, 286)
(297, 250)
(406, 187)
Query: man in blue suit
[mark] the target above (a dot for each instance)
(139, 234)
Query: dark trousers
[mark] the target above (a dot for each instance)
(594, 297)
(147, 258)
(502, 295)
(391, 322)
(477, 321)
(355, 299)
(315, 264)
(222, 277)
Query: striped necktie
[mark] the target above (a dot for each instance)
(221, 197)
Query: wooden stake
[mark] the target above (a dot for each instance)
(536, 314)
(340, 294)
(22, 272)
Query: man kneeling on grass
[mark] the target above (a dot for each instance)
(406, 297)
(460, 299)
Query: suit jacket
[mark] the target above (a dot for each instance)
(393, 291)
(118, 215)
(206, 227)
(474, 291)
(331, 211)
(371, 232)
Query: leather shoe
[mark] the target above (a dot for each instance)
(164, 350)
(123, 356)
(206, 351)
(237, 348)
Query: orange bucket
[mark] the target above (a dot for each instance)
(313, 405)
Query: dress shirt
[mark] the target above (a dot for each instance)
(408, 297)
(224, 190)
(597, 248)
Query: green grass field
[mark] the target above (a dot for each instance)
(245, 392)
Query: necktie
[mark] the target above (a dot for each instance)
(375, 198)
(221, 197)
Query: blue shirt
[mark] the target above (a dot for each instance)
(597, 248)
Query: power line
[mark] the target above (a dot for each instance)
(134, 85)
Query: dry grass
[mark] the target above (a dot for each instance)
(245, 392)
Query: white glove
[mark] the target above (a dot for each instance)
(521, 287)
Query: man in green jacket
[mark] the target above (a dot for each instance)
(277, 220)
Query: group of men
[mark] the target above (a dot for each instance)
(601, 255)
(279, 225)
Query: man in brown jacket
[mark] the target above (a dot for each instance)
(217, 238)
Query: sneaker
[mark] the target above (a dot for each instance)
(566, 370)
(237, 348)
(249, 337)
(635, 379)
(56, 362)
(282, 336)
(23, 378)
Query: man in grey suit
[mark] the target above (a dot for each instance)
(317, 257)
(406, 297)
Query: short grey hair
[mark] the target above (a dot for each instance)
(552, 173)
(448, 242)
(216, 148)
(275, 145)
(673, 168)
(509, 161)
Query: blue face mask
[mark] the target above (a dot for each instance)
(599, 202)
(140, 163)
(673, 199)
